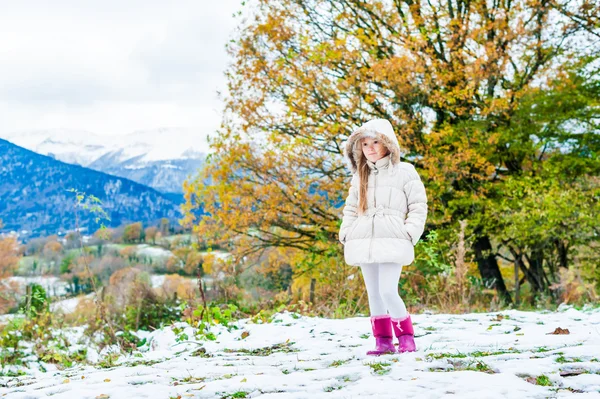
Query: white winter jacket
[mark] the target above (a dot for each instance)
(396, 204)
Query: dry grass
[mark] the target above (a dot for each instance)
(572, 289)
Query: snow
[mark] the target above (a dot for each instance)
(71, 146)
(165, 143)
(68, 305)
(326, 358)
(83, 147)
(154, 252)
(5, 318)
(54, 286)
(157, 280)
(222, 255)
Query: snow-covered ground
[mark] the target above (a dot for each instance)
(53, 285)
(493, 355)
(153, 252)
(68, 305)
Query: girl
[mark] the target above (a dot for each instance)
(384, 218)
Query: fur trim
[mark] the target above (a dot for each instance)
(353, 151)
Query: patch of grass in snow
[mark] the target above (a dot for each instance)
(338, 363)
(365, 336)
(62, 358)
(438, 356)
(430, 328)
(200, 352)
(11, 373)
(462, 365)
(333, 388)
(479, 366)
(459, 355)
(238, 394)
(190, 379)
(495, 353)
(380, 368)
(543, 381)
(347, 378)
(285, 347)
(542, 349)
(108, 361)
(562, 359)
(142, 363)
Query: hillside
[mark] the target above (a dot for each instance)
(34, 196)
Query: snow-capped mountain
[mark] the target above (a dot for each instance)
(34, 195)
(160, 158)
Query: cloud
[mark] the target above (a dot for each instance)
(114, 65)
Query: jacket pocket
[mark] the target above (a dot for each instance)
(351, 229)
(398, 228)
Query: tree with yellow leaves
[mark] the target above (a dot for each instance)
(9, 262)
(453, 77)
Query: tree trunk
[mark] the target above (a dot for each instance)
(563, 253)
(517, 285)
(488, 267)
(536, 266)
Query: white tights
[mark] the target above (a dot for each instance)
(381, 280)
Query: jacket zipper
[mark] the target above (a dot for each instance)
(376, 172)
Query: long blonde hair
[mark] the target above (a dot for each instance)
(363, 177)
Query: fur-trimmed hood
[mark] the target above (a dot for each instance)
(376, 128)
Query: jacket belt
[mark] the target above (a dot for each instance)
(380, 211)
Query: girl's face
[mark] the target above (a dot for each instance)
(373, 149)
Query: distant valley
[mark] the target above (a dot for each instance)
(34, 199)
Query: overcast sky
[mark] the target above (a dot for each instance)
(112, 67)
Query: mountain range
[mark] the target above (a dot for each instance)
(35, 201)
(159, 158)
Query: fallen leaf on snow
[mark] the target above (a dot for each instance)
(107, 380)
(571, 373)
(559, 331)
(66, 381)
(102, 396)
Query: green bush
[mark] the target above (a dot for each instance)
(35, 301)
(151, 311)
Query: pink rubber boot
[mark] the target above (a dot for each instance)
(403, 329)
(384, 340)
